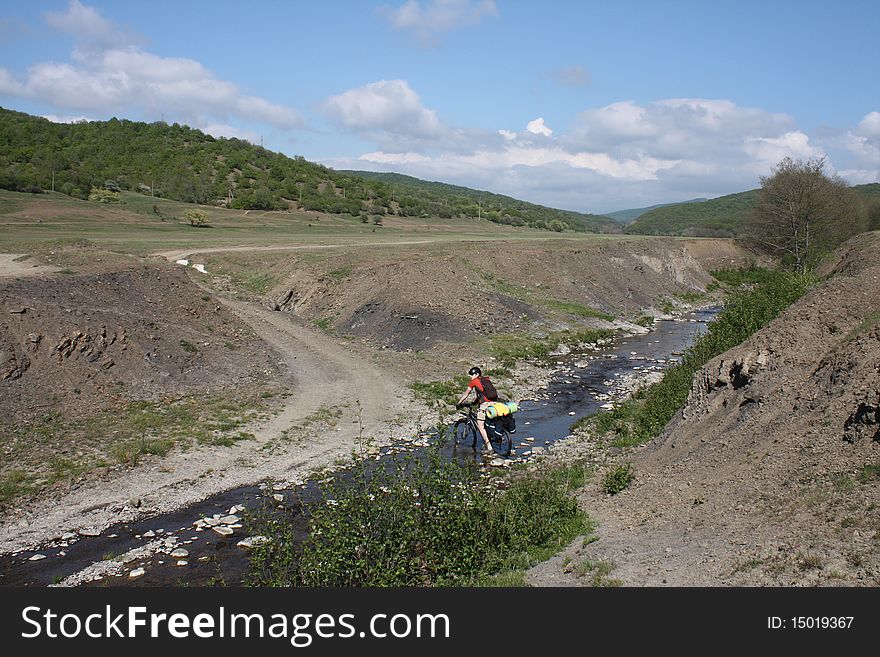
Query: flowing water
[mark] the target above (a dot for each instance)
(582, 384)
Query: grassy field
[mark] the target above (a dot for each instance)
(141, 225)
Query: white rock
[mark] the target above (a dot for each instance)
(212, 522)
(182, 261)
(149, 534)
(223, 530)
(90, 532)
(182, 562)
(37, 557)
(68, 536)
(137, 572)
(200, 268)
(251, 541)
(180, 553)
(229, 520)
(278, 498)
(572, 413)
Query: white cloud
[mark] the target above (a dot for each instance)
(8, 84)
(622, 155)
(428, 23)
(86, 24)
(66, 119)
(537, 127)
(228, 131)
(870, 125)
(387, 105)
(106, 76)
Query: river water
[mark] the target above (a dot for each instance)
(580, 385)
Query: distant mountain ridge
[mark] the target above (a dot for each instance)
(184, 164)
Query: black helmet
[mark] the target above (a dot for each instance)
(475, 370)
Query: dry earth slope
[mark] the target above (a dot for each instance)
(770, 474)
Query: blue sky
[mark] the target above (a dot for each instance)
(590, 106)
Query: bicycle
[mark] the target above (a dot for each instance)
(465, 430)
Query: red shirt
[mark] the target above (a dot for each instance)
(476, 383)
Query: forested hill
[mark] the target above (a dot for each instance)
(724, 216)
(447, 200)
(178, 162)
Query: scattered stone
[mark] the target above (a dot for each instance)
(278, 498)
(90, 532)
(37, 557)
(149, 534)
(137, 572)
(223, 530)
(251, 541)
(229, 520)
(182, 562)
(68, 536)
(180, 553)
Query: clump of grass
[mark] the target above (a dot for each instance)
(597, 572)
(189, 347)
(131, 451)
(645, 320)
(324, 323)
(869, 473)
(810, 562)
(427, 522)
(440, 392)
(618, 479)
(690, 297)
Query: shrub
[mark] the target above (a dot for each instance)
(618, 479)
(427, 522)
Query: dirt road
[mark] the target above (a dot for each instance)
(326, 375)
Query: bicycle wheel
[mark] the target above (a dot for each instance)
(464, 433)
(504, 444)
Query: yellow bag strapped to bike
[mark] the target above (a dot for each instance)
(500, 409)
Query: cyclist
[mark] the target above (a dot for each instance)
(485, 392)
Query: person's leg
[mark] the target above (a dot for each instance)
(481, 425)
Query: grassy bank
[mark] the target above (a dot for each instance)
(756, 297)
(430, 522)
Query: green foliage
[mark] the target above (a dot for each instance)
(869, 473)
(724, 216)
(747, 309)
(508, 348)
(645, 320)
(427, 523)
(195, 217)
(719, 217)
(180, 163)
(102, 195)
(447, 392)
(618, 479)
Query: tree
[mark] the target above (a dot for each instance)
(197, 218)
(801, 213)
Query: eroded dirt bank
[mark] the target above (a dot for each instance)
(769, 475)
(295, 357)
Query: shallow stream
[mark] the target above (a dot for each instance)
(582, 384)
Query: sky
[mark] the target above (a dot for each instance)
(591, 106)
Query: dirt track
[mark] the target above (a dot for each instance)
(326, 375)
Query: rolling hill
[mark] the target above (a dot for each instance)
(630, 215)
(180, 163)
(719, 217)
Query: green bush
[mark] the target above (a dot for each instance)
(427, 522)
(618, 479)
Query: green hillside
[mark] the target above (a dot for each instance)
(630, 215)
(183, 164)
(720, 217)
(447, 200)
